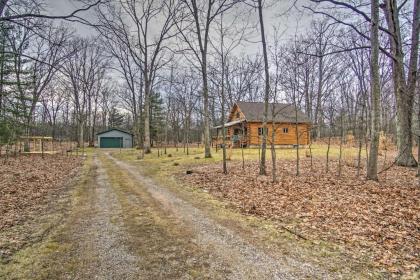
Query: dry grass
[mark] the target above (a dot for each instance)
(269, 234)
(159, 237)
(28, 180)
(31, 189)
(381, 215)
(40, 257)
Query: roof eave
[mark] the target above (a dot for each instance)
(120, 130)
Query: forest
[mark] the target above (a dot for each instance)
(169, 72)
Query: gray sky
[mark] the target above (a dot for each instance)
(290, 24)
(64, 7)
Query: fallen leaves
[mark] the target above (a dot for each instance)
(26, 181)
(378, 219)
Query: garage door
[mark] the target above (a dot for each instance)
(111, 142)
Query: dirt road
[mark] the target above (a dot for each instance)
(123, 225)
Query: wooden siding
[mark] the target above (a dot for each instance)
(280, 138)
(252, 138)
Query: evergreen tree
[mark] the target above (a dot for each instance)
(20, 85)
(157, 117)
(115, 119)
(13, 82)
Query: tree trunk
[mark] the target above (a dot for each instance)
(26, 144)
(318, 112)
(207, 151)
(372, 168)
(136, 128)
(242, 146)
(224, 137)
(327, 167)
(340, 156)
(297, 141)
(404, 92)
(273, 152)
(81, 134)
(92, 130)
(266, 91)
(188, 135)
(146, 144)
(359, 151)
(166, 135)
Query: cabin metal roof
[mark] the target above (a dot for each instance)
(282, 113)
(228, 124)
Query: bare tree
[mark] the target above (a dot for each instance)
(131, 23)
(372, 169)
(84, 70)
(404, 85)
(185, 94)
(53, 99)
(198, 17)
(230, 37)
(266, 89)
(133, 79)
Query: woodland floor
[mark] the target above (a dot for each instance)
(30, 185)
(378, 220)
(121, 224)
(374, 222)
(125, 218)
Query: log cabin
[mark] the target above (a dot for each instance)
(245, 125)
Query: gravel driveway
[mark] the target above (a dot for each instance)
(123, 225)
(227, 249)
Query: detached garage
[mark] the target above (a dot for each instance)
(115, 138)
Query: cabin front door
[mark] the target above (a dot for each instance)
(236, 137)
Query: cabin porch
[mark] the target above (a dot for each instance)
(235, 134)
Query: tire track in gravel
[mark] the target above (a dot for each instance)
(101, 237)
(245, 260)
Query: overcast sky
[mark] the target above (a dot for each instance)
(294, 22)
(290, 24)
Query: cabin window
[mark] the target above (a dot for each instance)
(260, 131)
(285, 130)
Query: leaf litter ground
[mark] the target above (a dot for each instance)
(29, 186)
(380, 220)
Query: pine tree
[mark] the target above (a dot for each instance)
(116, 119)
(9, 127)
(16, 83)
(157, 116)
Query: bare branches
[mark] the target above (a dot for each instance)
(347, 24)
(72, 16)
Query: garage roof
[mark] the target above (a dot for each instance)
(111, 129)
